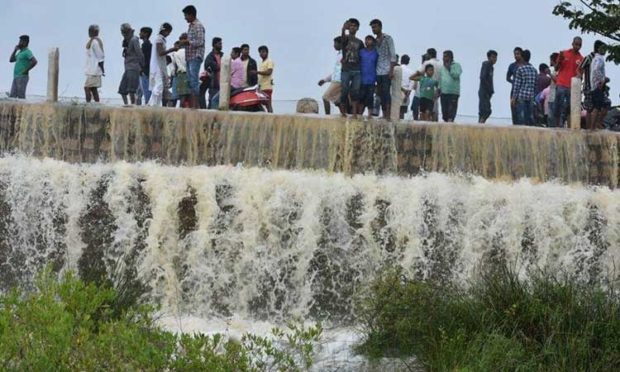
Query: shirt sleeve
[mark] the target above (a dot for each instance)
(517, 82)
(392, 50)
(98, 52)
(456, 71)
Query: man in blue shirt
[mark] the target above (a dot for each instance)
(368, 59)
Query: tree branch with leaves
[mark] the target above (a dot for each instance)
(601, 17)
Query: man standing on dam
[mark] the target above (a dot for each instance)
(24, 62)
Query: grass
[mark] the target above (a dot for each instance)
(501, 323)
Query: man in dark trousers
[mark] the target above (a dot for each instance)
(485, 92)
(213, 65)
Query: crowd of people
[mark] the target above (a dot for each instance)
(159, 75)
(361, 80)
(363, 71)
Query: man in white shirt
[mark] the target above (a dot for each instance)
(332, 94)
(406, 85)
(94, 64)
(159, 78)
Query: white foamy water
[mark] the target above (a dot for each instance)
(236, 250)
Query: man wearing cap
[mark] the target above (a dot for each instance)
(134, 60)
(24, 62)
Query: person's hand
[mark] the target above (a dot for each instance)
(321, 82)
(16, 47)
(513, 102)
(391, 75)
(346, 25)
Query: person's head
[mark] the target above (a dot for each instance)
(553, 58)
(492, 56)
(190, 13)
(600, 47)
(245, 51)
(93, 31)
(429, 70)
(263, 51)
(448, 57)
(527, 55)
(353, 25)
(518, 54)
(235, 53)
(217, 44)
(425, 57)
(24, 40)
(376, 26)
(126, 30)
(543, 68)
(338, 43)
(577, 44)
(145, 33)
(183, 37)
(369, 41)
(432, 53)
(165, 29)
(404, 60)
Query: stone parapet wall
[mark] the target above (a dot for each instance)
(79, 133)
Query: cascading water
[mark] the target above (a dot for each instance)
(225, 242)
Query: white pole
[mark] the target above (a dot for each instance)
(52, 75)
(575, 103)
(225, 84)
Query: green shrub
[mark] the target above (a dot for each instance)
(68, 325)
(499, 322)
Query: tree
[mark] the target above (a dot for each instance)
(600, 17)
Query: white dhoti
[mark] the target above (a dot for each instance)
(156, 85)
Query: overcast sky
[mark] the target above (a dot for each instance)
(299, 35)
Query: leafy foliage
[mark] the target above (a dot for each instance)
(600, 17)
(499, 323)
(69, 325)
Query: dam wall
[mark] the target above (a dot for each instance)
(92, 133)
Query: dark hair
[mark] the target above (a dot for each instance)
(554, 56)
(25, 38)
(428, 67)
(425, 57)
(376, 22)
(354, 21)
(598, 44)
(166, 27)
(243, 46)
(518, 49)
(338, 39)
(449, 52)
(369, 37)
(404, 60)
(215, 41)
(147, 30)
(190, 9)
(263, 47)
(432, 52)
(491, 53)
(526, 55)
(236, 50)
(543, 67)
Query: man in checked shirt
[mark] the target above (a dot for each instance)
(194, 52)
(524, 89)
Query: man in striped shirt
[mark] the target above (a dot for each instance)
(524, 89)
(194, 52)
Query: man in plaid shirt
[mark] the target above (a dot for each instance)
(194, 52)
(524, 89)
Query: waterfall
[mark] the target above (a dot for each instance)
(264, 244)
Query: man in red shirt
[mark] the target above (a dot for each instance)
(567, 67)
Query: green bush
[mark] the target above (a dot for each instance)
(499, 322)
(68, 325)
